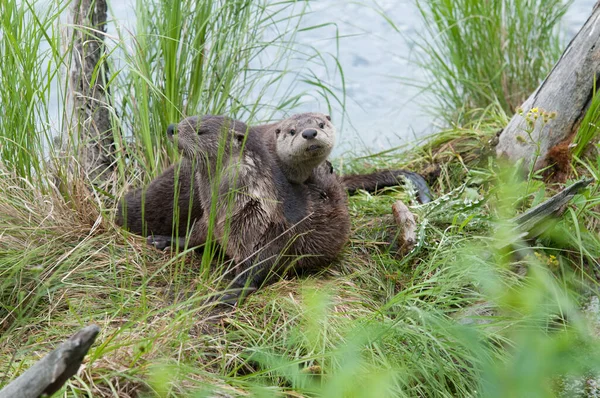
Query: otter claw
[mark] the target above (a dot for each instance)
(163, 242)
(229, 299)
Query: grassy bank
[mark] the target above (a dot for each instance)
(463, 314)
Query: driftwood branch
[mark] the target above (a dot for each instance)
(49, 374)
(533, 220)
(528, 225)
(90, 115)
(566, 91)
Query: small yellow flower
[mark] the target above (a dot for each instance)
(535, 110)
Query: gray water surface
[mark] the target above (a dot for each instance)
(385, 110)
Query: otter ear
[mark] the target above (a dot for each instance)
(277, 131)
(328, 117)
(238, 135)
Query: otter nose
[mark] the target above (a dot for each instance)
(309, 134)
(171, 129)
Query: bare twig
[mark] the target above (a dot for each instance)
(533, 219)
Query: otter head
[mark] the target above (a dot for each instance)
(303, 142)
(197, 136)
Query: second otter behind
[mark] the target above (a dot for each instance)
(285, 186)
(151, 210)
(267, 216)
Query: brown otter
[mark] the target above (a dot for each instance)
(290, 155)
(151, 212)
(265, 214)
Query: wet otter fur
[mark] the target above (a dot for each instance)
(386, 178)
(293, 183)
(157, 205)
(156, 218)
(269, 217)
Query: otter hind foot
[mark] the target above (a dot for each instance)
(235, 296)
(242, 286)
(163, 242)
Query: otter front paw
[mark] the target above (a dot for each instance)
(230, 299)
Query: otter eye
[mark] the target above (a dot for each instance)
(321, 125)
(292, 132)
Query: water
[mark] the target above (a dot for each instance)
(385, 111)
(382, 110)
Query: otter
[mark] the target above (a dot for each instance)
(151, 211)
(268, 216)
(284, 164)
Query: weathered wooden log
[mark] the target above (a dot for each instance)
(565, 94)
(90, 115)
(527, 226)
(49, 374)
(407, 227)
(532, 221)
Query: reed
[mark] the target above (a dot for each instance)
(480, 53)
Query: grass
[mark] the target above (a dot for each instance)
(26, 72)
(470, 311)
(479, 54)
(589, 125)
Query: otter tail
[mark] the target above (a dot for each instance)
(387, 178)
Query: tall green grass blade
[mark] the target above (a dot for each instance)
(30, 48)
(479, 53)
(590, 125)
